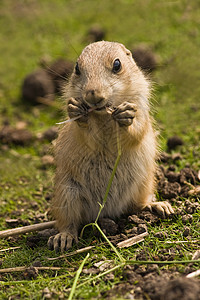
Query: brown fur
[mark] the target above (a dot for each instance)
(86, 149)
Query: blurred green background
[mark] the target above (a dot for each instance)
(31, 30)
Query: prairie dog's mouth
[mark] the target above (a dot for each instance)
(101, 106)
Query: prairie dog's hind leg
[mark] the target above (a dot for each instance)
(163, 208)
(67, 211)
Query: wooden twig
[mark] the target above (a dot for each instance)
(21, 269)
(193, 274)
(196, 255)
(72, 253)
(8, 249)
(26, 229)
(132, 241)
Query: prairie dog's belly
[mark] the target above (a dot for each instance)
(93, 180)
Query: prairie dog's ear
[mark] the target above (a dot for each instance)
(128, 52)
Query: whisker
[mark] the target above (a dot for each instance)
(55, 73)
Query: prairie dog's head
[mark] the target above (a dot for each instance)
(105, 74)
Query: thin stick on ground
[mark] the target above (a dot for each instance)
(9, 249)
(26, 229)
(82, 250)
(24, 268)
(193, 274)
(133, 240)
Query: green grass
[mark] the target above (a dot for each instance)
(31, 30)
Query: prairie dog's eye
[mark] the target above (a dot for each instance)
(116, 66)
(77, 70)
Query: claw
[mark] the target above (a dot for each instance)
(56, 242)
(125, 113)
(50, 243)
(62, 241)
(77, 109)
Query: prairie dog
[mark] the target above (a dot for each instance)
(106, 93)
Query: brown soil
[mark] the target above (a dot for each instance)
(95, 34)
(146, 283)
(139, 281)
(37, 85)
(10, 135)
(173, 142)
(59, 71)
(145, 58)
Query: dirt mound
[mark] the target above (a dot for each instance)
(10, 135)
(145, 58)
(60, 70)
(37, 85)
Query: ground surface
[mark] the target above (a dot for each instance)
(35, 33)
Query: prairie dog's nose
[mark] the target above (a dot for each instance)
(93, 96)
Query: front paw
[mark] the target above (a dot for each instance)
(125, 113)
(62, 241)
(76, 109)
